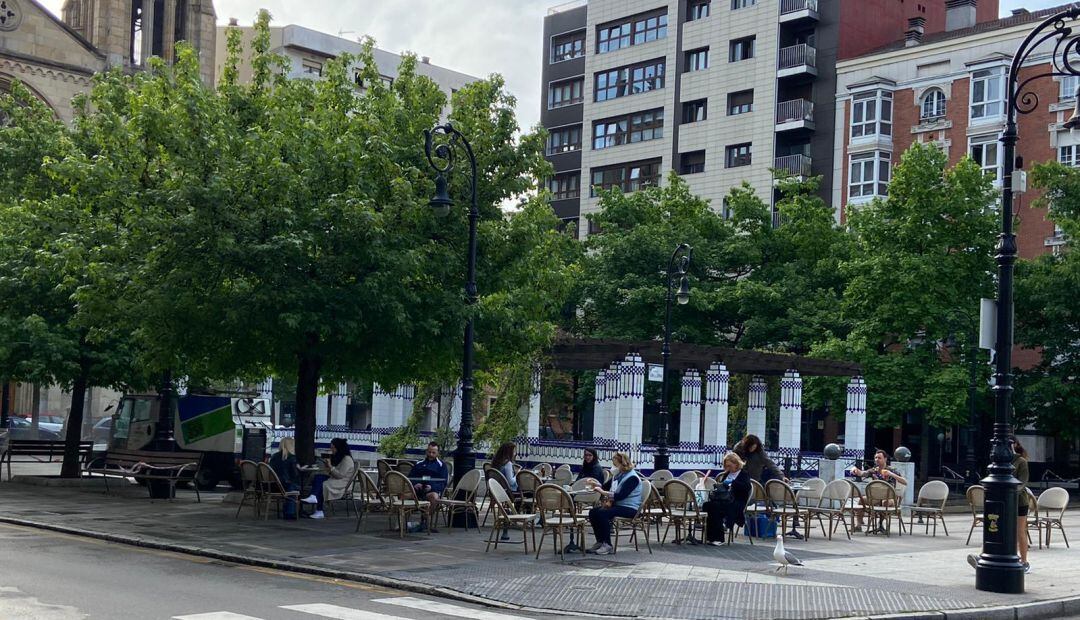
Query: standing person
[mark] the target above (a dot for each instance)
(757, 463)
(436, 474)
(339, 472)
(504, 462)
(591, 467)
(620, 497)
(725, 514)
(1023, 474)
(287, 468)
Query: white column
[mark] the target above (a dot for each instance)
(322, 409)
(338, 401)
(381, 408)
(632, 413)
(609, 423)
(755, 410)
(599, 403)
(690, 407)
(855, 417)
(791, 410)
(406, 394)
(532, 427)
(717, 380)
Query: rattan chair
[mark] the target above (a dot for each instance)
(492, 473)
(558, 514)
(1052, 504)
(349, 495)
(638, 523)
(543, 470)
(883, 504)
(655, 510)
(683, 510)
(1033, 522)
(462, 499)
(931, 505)
(692, 478)
(371, 499)
(403, 501)
(527, 482)
(976, 497)
(249, 471)
(832, 504)
(563, 475)
(404, 466)
(506, 517)
(782, 502)
(383, 465)
(659, 478)
(271, 490)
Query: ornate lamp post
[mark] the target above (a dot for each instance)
(677, 266)
(441, 158)
(998, 567)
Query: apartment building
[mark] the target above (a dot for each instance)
(308, 51)
(721, 91)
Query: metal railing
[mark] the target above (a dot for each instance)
(798, 165)
(794, 110)
(794, 6)
(798, 55)
(573, 4)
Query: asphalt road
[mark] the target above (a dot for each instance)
(50, 576)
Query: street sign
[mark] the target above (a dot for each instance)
(656, 373)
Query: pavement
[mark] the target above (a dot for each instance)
(914, 576)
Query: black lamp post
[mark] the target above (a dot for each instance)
(999, 568)
(677, 266)
(441, 158)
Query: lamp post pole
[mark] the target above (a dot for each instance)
(998, 567)
(441, 158)
(677, 266)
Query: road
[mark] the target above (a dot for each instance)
(51, 576)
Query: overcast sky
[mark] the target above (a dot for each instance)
(477, 37)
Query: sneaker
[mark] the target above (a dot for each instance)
(605, 549)
(1027, 568)
(593, 548)
(973, 560)
(716, 543)
(310, 499)
(318, 514)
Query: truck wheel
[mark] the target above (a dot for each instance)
(206, 480)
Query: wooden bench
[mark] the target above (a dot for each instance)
(41, 451)
(170, 467)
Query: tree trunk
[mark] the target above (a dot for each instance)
(307, 390)
(72, 468)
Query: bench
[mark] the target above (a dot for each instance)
(170, 467)
(41, 451)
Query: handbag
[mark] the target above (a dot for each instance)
(721, 494)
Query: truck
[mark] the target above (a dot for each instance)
(226, 428)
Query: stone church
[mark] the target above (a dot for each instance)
(56, 57)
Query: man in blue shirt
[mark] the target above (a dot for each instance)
(434, 475)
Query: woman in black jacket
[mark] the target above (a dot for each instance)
(590, 467)
(731, 512)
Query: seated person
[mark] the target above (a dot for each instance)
(287, 468)
(590, 466)
(727, 514)
(621, 497)
(431, 467)
(880, 471)
(337, 478)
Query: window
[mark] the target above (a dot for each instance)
(871, 114)
(564, 186)
(1069, 155)
(986, 151)
(694, 111)
(630, 80)
(726, 212)
(1069, 84)
(737, 155)
(628, 177)
(698, 59)
(740, 102)
(869, 174)
(632, 31)
(742, 4)
(697, 9)
(386, 80)
(311, 67)
(986, 91)
(568, 46)
(692, 163)
(564, 140)
(567, 92)
(639, 127)
(741, 49)
(933, 105)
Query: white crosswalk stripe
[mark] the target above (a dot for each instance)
(216, 615)
(436, 607)
(325, 610)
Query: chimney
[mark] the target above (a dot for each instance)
(960, 14)
(426, 60)
(1019, 12)
(914, 33)
(233, 21)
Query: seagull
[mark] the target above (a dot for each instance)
(782, 556)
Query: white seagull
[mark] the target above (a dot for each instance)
(783, 557)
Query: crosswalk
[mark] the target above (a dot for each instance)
(394, 605)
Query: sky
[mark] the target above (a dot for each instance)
(477, 37)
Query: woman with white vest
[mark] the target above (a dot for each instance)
(621, 497)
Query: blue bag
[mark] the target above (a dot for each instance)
(761, 526)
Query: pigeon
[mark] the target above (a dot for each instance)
(783, 557)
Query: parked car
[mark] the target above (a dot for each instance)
(102, 430)
(22, 429)
(52, 423)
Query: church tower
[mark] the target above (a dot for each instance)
(130, 31)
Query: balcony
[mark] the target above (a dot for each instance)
(794, 114)
(792, 11)
(797, 165)
(797, 60)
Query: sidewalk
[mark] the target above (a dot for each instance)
(918, 576)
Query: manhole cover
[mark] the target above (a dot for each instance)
(597, 563)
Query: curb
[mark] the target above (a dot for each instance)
(1051, 608)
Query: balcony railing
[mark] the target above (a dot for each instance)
(573, 4)
(798, 165)
(794, 110)
(797, 56)
(794, 6)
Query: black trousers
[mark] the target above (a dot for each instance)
(721, 516)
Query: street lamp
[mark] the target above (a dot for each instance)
(677, 266)
(998, 567)
(441, 158)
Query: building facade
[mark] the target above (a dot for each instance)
(721, 91)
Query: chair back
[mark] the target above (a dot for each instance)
(879, 492)
(528, 481)
(934, 494)
(608, 476)
(469, 485)
(811, 492)
(779, 493)
(517, 468)
(369, 489)
(1054, 499)
(835, 495)
(647, 493)
(679, 495)
(552, 501)
(543, 470)
(398, 485)
(661, 475)
(383, 465)
(404, 466)
(1033, 503)
(249, 472)
(267, 480)
(499, 499)
(584, 498)
(492, 473)
(563, 474)
(976, 496)
(691, 478)
(708, 483)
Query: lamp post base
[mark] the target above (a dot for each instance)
(463, 462)
(660, 461)
(1001, 574)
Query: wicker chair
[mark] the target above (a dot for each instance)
(882, 503)
(543, 470)
(563, 474)
(462, 499)
(1052, 504)
(782, 502)
(1033, 522)
(832, 504)
(655, 510)
(383, 465)
(638, 523)
(692, 478)
(506, 517)
(371, 499)
(492, 473)
(682, 509)
(976, 497)
(558, 514)
(249, 471)
(584, 501)
(271, 490)
(930, 504)
(403, 500)
(527, 482)
(349, 495)
(404, 466)
(659, 478)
